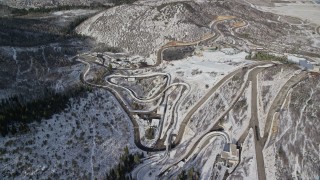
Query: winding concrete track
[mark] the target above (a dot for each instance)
(254, 122)
(127, 107)
(124, 107)
(158, 62)
(205, 140)
(133, 93)
(194, 142)
(205, 98)
(159, 95)
(251, 75)
(210, 37)
(294, 80)
(137, 171)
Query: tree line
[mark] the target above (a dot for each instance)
(260, 55)
(120, 2)
(127, 163)
(21, 12)
(16, 113)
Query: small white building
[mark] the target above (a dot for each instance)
(131, 79)
(316, 68)
(155, 123)
(302, 62)
(230, 154)
(295, 59)
(306, 64)
(161, 109)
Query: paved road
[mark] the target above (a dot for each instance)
(212, 37)
(254, 69)
(278, 101)
(260, 144)
(199, 104)
(254, 123)
(260, 141)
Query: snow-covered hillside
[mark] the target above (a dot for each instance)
(143, 29)
(82, 142)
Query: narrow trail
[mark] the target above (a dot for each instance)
(254, 123)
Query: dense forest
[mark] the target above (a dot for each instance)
(16, 114)
(125, 166)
